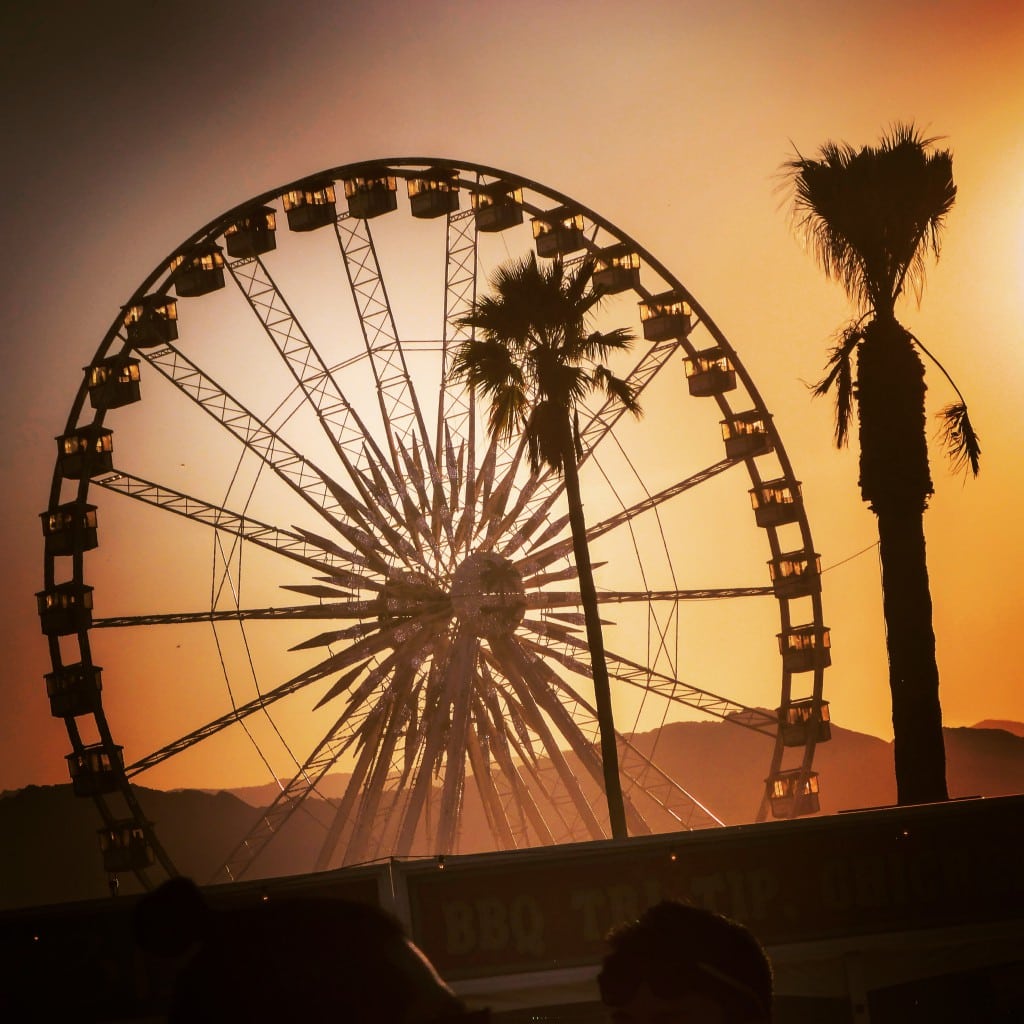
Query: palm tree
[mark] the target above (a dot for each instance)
(532, 356)
(871, 216)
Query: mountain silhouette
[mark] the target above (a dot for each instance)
(51, 853)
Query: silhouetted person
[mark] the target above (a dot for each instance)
(680, 964)
(292, 959)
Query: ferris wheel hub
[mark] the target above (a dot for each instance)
(488, 595)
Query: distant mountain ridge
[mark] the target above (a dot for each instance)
(1016, 728)
(50, 854)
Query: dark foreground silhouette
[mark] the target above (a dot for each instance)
(291, 959)
(681, 962)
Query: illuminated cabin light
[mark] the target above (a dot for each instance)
(805, 648)
(776, 502)
(804, 720)
(617, 269)
(746, 435)
(65, 608)
(152, 321)
(74, 690)
(793, 793)
(558, 232)
(434, 194)
(96, 769)
(666, 316)
(199, 272)
(254, 233)
(124, 846)
(497, 206)
(371, 195)
(113, 382)
(310, 206)
(86, 452)
(710, 372)
(796, 574)
(69, 528)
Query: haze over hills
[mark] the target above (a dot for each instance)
(51, 856)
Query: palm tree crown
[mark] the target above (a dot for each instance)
(872, 215)
(534, 358)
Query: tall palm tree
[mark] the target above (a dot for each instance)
(871, 217)
(533, 357)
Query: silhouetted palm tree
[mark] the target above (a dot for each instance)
(872, 216)
(534, 359)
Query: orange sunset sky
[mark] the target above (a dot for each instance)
(128, 126)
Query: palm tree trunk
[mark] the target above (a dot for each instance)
(896, 483)
(913, 673)
(595, 641)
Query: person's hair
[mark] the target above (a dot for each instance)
(286, 958)
(677, 948)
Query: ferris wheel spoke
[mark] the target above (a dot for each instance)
(528, 779)
(628, 671)
(492, 511)
(655, 500)
(644, 777)
(483, 777)
(597, 423)
(367, 818)
(303, 547)
(390, 689)
(400, 636)
(456, 408)
(311, 484)
(545, 685)
(518, 796)
(551, 630)
(553, 599)
(404, 762)
(543, 774)
(461, 680)
(302, 611)
(419, 525)
(543, 556)
(399, 406)
(343, 816)
(374, 511)
(215, 726)
(290, 798)
(371, 483)
(511, 667)
(340, 422)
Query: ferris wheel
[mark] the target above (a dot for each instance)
(311, 563)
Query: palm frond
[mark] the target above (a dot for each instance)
(961, 441)
(840, 377)
(615, 387)
(600, 344)
(958, 434)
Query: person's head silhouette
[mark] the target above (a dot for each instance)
(680, 963)
(291, 959)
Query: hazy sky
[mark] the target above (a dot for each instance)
(128, 125)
